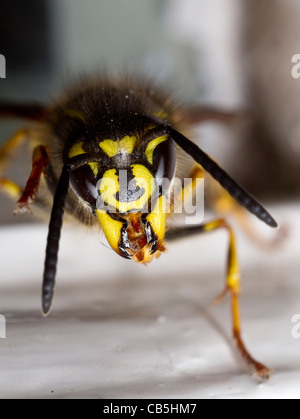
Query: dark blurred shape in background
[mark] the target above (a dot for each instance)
(25, 38)
(272, 142)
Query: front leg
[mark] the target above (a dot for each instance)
(40, 161)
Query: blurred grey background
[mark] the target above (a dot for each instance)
(230, 54)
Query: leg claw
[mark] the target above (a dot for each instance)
(22, 207)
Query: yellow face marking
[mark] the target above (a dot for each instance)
(94, 167)
(112, 148)
(110, 186)
(151, 147)
(111, 228)
(76, 149)
(157, 218)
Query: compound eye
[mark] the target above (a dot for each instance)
(164, 160)
(83, 181)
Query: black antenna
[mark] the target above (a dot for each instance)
(53, 240)
(230, 185)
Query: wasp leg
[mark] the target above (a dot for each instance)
(225, 205)
(232, 287)
(197, 173)
(189, 188)
(13, 191)
(10, 188)
(7, 153)
(10, 148)
(40, 161)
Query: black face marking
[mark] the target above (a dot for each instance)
(130, 191)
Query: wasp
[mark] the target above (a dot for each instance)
(103, 149)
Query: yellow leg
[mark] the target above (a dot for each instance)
(10, 188)
(7, 153)
(10, 148)
(232, 286)
(224, 205)
(189, 188)
(39, 163)
(197, 173)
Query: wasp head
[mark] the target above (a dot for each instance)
(126, 185)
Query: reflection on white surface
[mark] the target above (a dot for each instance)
(122, 330)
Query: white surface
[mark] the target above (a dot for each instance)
(127, 331)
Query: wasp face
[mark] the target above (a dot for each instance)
(126, 186)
